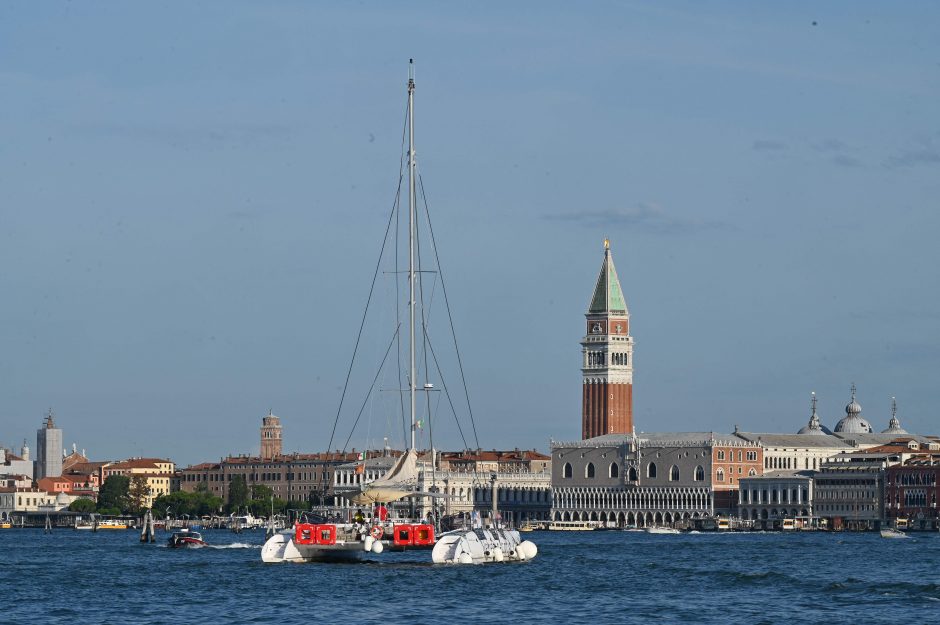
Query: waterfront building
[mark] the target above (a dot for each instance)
(484, 461)
(157, 473)
(12, 464)
(766, 500)
(292, 477)
(911, 492)
(607, 358)
(650, 479)
(849, 495)
(795, 452)
(48, 449)
(849, 488)
(16, 500)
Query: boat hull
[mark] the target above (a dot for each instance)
(282, 548)
(482, 546)
(186, 543)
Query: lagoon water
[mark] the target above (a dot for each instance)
(578, 577)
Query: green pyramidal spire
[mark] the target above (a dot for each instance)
(608, 296)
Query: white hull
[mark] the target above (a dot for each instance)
(282, 548)
(661, 530)
(482, 546)
(892, 533)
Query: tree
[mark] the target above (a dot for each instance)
(83, 505)
(190, 504)
(114, 493)
(237, 493)
(261, 492)
(137, 494)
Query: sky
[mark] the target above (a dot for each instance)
(193, 196)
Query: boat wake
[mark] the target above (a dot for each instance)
(235, 546)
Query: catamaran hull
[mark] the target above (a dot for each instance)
(282, 548)
(482, 546)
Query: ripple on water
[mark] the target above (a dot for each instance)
(588, 577)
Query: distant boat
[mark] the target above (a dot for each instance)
(572, 526)
(186, 538)
(5, 525)
(893, 533)
(661, 530)
(112, 524)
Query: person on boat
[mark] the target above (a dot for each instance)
(359, 517)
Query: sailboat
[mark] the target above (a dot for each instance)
(319, 539)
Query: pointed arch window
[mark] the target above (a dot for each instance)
(632, 474)
(651, 470)
(674, 473)
(589, 470)
(614, 469)
(721, 475)
(567, 470)
(699, 474)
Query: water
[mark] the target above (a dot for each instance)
(587, 577)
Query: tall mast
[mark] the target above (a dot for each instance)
(411, 242)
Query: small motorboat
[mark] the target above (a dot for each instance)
(889, 532)
(186, 538)
(661, 530)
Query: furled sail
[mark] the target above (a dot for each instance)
(400, 481)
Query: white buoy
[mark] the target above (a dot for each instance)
(528, 549)
(367, 544)
(498, 554)
(377, 547)
(465, 558)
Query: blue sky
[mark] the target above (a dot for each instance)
(192, 197)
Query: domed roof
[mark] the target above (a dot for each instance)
(62, 499)
(894, 425)
(852, 422)
(814, 426)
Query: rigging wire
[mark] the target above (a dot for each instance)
(447, 394)
(365, 313)
(450, 317)
(424, 351)
(369, 393)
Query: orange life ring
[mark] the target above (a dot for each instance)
(377, 532)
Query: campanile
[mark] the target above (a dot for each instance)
(607, 358)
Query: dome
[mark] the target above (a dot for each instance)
(62, 499)
(853, 425)
(811, 429)
(852, 422)
(894, 425)
(814, 426)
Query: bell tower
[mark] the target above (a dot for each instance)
(270, 437)
(607, 358)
